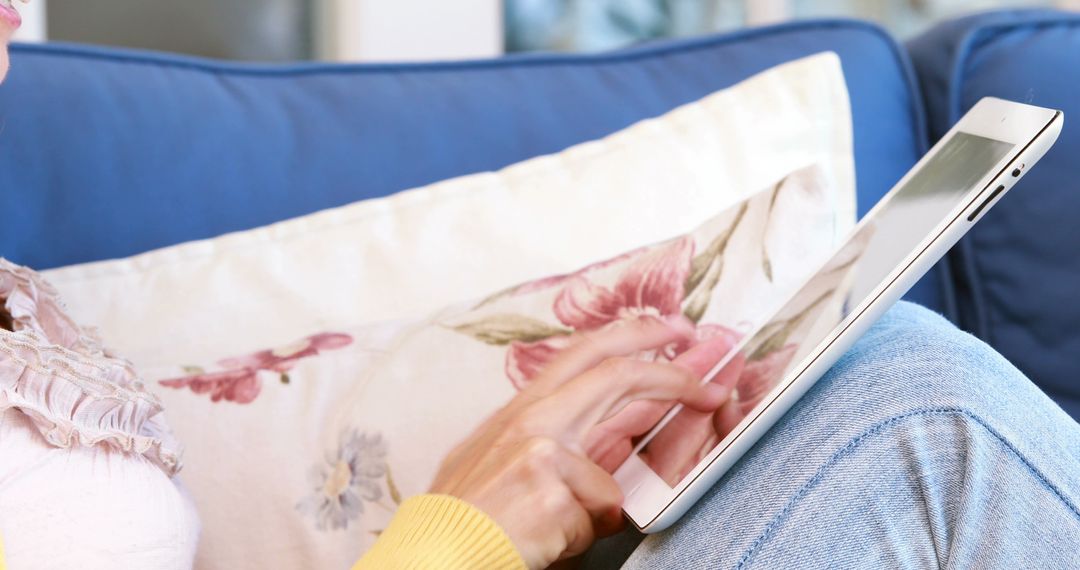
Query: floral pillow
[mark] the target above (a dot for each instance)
(298, 455)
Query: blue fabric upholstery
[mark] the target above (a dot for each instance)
(1017, 272)
(106, 153)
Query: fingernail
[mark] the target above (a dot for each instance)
(718, 393)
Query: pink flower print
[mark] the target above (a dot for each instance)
(541, 284)
(525, 360)
(283, 358)
(240, 381)
(240, 386)
(652, 285)
(555, 280)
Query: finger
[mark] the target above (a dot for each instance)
(592, 348)
(579, 529)
(608, 388)
(609, 443)
(613, 454)
(639, 417)
(679, 442)
(636, 419)
(702, 359)
(597, 493)
(729, 374)
(726, 418)
(704, 356)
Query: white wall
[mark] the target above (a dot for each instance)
(408, 30)
(33, 26)
(762, 12)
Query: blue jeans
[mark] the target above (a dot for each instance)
(921, 448)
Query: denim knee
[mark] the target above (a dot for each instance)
(915, 359)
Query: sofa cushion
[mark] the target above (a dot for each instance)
(1017, 272)
(110, 152)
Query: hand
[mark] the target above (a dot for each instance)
(689, 435)
(529, 466)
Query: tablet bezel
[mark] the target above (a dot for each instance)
(652, 505)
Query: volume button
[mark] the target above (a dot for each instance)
(986, 202)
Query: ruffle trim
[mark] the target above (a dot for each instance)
(74, 400)
(75, 392)
(34, 304)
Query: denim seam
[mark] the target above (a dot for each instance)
(851, 445)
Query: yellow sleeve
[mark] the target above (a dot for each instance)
(2, 565)
(441, 532)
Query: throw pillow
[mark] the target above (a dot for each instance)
(297, 456)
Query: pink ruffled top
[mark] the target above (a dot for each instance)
(74, 391)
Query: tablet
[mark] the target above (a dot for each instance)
(912, 226)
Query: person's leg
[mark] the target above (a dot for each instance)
(922, 447)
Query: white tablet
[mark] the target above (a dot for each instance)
(912, 226)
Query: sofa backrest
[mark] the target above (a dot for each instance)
(105, 153)
(1017, 273)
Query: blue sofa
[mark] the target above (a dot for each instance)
(106, 153)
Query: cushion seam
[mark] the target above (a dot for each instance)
(160, 59)
(876, 429)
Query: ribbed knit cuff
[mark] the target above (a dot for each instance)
(443, 532)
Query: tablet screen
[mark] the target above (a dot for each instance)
(866, 259)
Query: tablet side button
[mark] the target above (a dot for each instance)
(986, 202)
